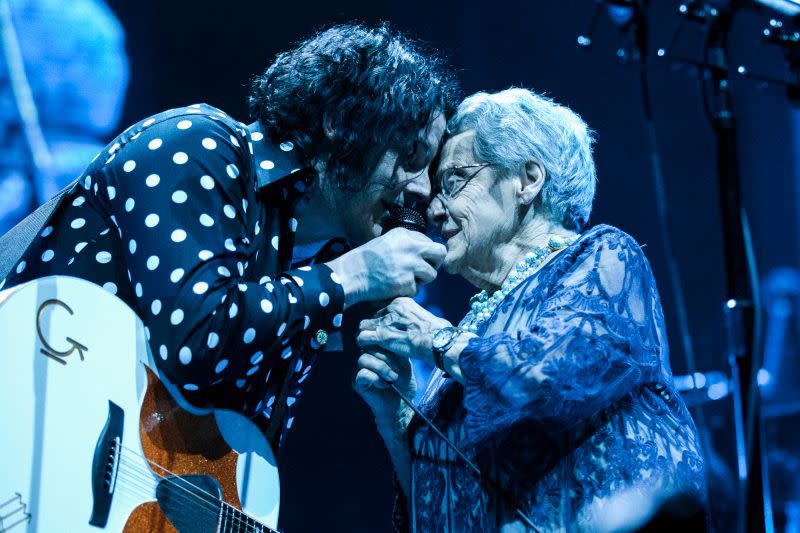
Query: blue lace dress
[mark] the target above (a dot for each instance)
(568, 403)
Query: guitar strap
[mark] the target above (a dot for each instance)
(16, 242)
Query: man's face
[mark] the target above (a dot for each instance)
(398, 179)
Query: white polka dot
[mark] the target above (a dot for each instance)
(206, 220)
(148, 122)
(232, 170)
(337, 321)
(80, 246)
(77, 202)
(324, 299)
(200, 287)
(132, 246)
(270, 287)
(252, 371)
(180, 158)
(176, 317)
(129, 203)
(233, 311)
(190, 387)
(21, 266)
(112, 193)
(152, 262)
(293, 224)
(103, 257)
(287, 146)
(77, 223)
(151, 220)
(222, 365)
(249, 335)
(184, 124)
(178, 235)
(185, 355)
(87, 182)
(209, 144)
(234, 141)
(155, 144)
(105, 231)
(213, 340)
(162, 351)
(266, 306)
(152, 180)
(179, 197)
(138, 289)
(281, 329)
(176, 275)
(207, 182)
(129, 165)
(305, 268)
(257, 136)
(155, 307)
(267, 164)
(205, 255)
(257, 228)
(48, 255)
(113, 148)
(244, 205)
(275, 241)
(223, 271)
(256, 358)
(298, 280)
(229, 211)
(292, 299)
(286, 353)
(229, 245)
(306, 321)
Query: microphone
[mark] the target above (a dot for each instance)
(404, 217)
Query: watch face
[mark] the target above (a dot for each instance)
(442, 336)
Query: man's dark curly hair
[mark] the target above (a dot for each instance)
(376, 87)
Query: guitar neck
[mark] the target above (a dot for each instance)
(232, 520)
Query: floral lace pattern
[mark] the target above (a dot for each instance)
(568, 403)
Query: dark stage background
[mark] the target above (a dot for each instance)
(335, 473)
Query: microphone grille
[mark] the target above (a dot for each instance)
(405, 217)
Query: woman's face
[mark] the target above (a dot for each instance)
(481, 212)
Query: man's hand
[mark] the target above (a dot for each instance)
(392, 265)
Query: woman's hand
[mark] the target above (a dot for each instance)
(376, 371)
(403, 328)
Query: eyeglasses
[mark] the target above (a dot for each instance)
(452, 179)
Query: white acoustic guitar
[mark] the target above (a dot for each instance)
(93, 440)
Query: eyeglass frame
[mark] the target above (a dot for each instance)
(467, 179)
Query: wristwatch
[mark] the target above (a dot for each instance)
(443, 339)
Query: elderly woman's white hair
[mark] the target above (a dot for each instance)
(515, 126)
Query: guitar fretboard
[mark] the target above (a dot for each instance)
(232, 520)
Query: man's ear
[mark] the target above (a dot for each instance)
(531, 183)
(327, 127)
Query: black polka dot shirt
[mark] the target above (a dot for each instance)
(189, 217)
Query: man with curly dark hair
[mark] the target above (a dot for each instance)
(229, 240)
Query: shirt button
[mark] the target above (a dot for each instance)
(321, 337)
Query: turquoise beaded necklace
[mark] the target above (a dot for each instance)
(483, 306)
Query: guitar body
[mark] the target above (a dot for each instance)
(93, 440)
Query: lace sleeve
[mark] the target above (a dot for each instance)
(592, 336)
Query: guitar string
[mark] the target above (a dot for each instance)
(213, 499)
(130, 488)
(133, 484)
(147, 483)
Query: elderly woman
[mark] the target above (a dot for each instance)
(557, 382)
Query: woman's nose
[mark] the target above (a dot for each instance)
(437, 214)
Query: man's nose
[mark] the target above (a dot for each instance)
(437, 214)
(417, 189)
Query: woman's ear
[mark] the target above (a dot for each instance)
(531, 183)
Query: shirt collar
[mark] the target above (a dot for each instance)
(272, 162)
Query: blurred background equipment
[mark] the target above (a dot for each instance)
(63, 75)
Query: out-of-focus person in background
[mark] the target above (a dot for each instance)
(73, 62)
(557, 383)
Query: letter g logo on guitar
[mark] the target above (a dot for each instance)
(48, 349)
